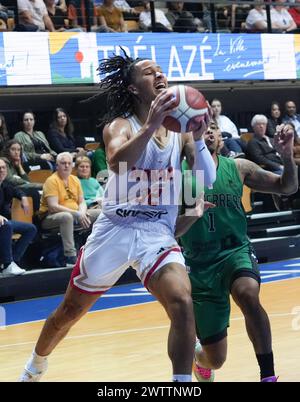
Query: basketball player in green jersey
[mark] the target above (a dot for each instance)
(220, 258)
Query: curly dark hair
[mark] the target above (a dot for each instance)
(114, 87)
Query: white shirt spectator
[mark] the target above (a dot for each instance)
(36, 8)
(145, 19)
(255, 16)
(227, 126)
(122, 5)
(281, 19)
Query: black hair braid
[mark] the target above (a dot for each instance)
(119, 101)
(114, 95)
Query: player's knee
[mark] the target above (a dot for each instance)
(248, 300)
(181, 307)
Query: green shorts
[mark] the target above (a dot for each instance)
(211, 287)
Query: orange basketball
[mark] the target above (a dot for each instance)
(192, 110)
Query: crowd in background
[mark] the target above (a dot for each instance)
(67, 202)
(125, 16)
(70, 199)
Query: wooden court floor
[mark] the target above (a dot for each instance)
(129, 343)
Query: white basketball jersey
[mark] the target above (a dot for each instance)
(148, 194)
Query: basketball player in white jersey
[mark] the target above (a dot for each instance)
(135, 230)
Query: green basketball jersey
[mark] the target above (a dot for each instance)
(222, 229)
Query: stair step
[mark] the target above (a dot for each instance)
(281, 228)
(267, 215)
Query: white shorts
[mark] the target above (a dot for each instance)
(111, 249)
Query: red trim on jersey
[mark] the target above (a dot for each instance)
(76, 272)
(158, 261)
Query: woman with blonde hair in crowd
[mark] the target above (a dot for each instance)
(92, 190)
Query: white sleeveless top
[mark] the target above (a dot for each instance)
(147, 195)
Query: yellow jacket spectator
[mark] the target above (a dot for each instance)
(63, 205)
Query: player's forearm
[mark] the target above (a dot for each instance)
(130, 152)
(204, 162)
(289, 180)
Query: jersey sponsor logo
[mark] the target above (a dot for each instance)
(225, 200)
(151, 215)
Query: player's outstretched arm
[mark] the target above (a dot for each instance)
(267, 182)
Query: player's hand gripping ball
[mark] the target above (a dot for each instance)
(191, 110)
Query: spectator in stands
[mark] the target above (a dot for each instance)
(291, 116)
(223, 14)
(78, 17)
(281, 20)
(16, 175)
(11, 254)
(181, 20)
(162, 24)
(128, 12)
(3, 132)
(223, 122)
(256, 20)
(59, 17)
(222, 17)
(60, 134)
(260, 148)
(92, 190)
(295, 13)
(229, 130)
(239, 14)
(63, 205)
(36, 149)
(33, 16)
(5, 13)
(62, 5)
(274, 120)
(111, 17)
